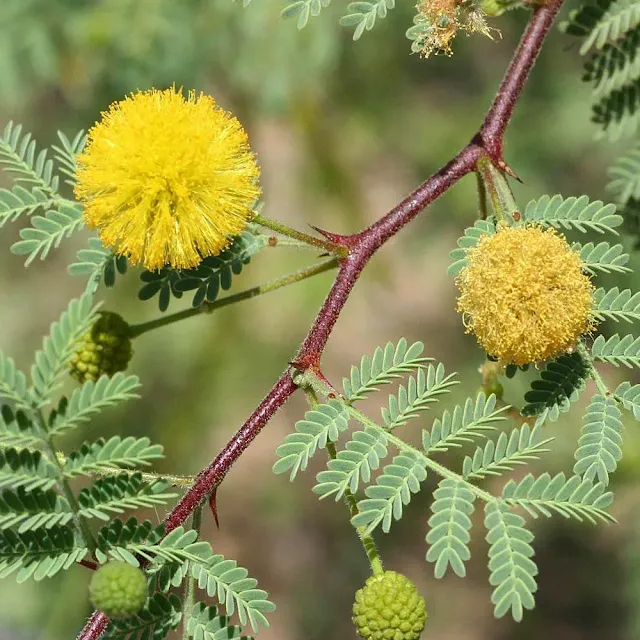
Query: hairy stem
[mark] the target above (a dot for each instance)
(190, 589)
(308, 272)
(488, 140)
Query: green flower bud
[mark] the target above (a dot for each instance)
(389, 607)
(105, 349)
(118, 589)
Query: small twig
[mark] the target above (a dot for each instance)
(247, 294)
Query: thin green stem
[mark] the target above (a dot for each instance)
(183, 482)
(267, 287)
(367, 540)
(321, 387)
(275, 241)
(190, 588)
(65, 487)
(368, 543)
(338, 250)
(593, 371)
(498, 189)
(432, 464)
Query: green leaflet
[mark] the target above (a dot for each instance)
(115, 494)
(382, 368)
(57, 348)
(26, 469)
(470, 239)
(603, 257)
(611, 30)
(362, 16)
(573, 213)
(620, 16)
(91, 398)
(391, 493)
(449, 528)
(583, 20)
(234, 589)
(17, 431)
(615, 65)
(48, 231)
(422, 390)
(360, 456)
(98, 264)
(512, 569)
(20, 201)
(116, 452)
(303, 10)
(518, 448)
(457, 428)
(576, 497)
(559, 385)
(161, 614)
(213, 275)
(66, 154)
(38, 554)
(18, 156)
(600, 445)
(630, 397)
(27, 511)
(205, 623)
(625, 173)
(321, 425)
(620, 306)
(617, 350)
(13, 383)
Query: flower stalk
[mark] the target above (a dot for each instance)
(253, 292)
(339, 250)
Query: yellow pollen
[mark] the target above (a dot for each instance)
(167, 180)
(524, 295)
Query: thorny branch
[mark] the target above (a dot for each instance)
(488, 141)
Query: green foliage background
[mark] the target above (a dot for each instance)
(343, 130)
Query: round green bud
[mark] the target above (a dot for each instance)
(118, 589)
(493, 387)
(104, 349)
(389, 607)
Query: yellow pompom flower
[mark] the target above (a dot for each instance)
(524, 295)
(167, 180)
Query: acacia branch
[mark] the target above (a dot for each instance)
(488, 141)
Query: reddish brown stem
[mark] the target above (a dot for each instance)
(362, 245)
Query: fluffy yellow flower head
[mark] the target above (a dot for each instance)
(167, 180)
(524, 295)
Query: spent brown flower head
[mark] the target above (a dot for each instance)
(441, 20)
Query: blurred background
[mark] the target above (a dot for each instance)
(343, 131)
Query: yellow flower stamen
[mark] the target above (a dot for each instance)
(524, 295)
(167, 180)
